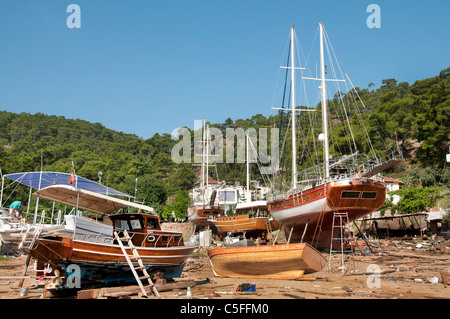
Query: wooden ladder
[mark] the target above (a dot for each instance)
(269, 232)
(138, 259)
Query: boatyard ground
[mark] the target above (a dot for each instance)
(401, 268)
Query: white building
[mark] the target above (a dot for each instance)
(392, 185)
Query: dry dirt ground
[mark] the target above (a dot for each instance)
(410, 269)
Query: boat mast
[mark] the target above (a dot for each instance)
(324, 106)
(203, 184)
(249, 194)
(207, 156)
(293, 113)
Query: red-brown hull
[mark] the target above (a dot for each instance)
(315, 207)
(240, 224)
(105, 261)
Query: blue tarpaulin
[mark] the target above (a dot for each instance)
(40, 180)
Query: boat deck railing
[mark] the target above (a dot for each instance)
(308, 184)
(154, 239)
(251, 213)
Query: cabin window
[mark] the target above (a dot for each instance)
(152, 223)
(369, 195)
(350, 194)
(135, 224)
(164, 238)
(176, 238)
(121, 224)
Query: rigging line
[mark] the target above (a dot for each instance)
(364, 106)
(279, 70)
(361, 119)
(258, 162)
(312, 45)
(282, 112)
(358, 112)
(330, 46)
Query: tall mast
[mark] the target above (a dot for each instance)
(293, 113)
(324, 105)
(203, 156)
(207, 156)
(249, 194)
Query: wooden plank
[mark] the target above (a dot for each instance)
(176, 285)
(123, 291)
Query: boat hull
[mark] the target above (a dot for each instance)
(105, 261)
(315, 208)
(289, 261)
(239, 224)
(200, 215)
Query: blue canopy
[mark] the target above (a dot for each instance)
(40, 180)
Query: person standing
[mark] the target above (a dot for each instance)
(16, 208)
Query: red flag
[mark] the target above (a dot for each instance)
(72, 179)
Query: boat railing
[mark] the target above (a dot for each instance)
(100, 238)
(155, 238)
(11, 220)
(43, 218)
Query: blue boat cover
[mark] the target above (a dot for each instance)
(40, 180)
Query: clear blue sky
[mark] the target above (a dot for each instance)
(147, 66)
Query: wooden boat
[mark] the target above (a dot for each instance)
(200, 215)
(314, 208)
(251, 219)
(290, 261)
(101, 258)
(343, 184)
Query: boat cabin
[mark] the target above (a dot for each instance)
(145, 230)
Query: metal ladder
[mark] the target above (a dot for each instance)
(341, 225)
(138, 259)
(28, 241)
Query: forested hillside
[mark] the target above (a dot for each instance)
(413, 117)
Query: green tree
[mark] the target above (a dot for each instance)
(178, 207)
(416, 199)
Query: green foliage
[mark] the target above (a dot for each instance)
(178, 207)
(416, 199)
(446, 219)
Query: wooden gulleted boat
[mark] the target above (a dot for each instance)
(345, 184)
(251, 218)
(101, 258)
(200, 215)
(289, 261)
(315, 207)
